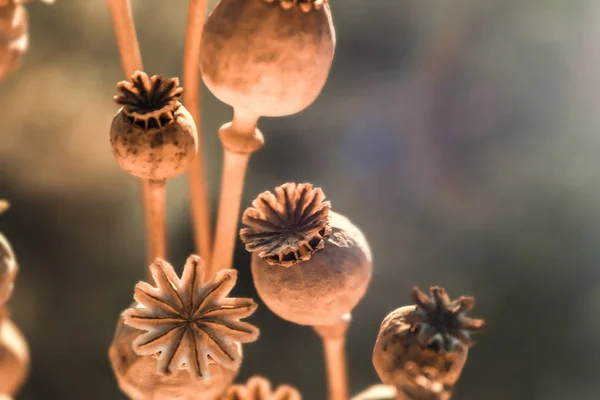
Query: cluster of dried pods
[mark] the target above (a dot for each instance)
(14, 352)
(182, 336)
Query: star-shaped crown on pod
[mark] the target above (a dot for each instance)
(190, 321)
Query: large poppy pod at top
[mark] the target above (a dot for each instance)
(270, 58)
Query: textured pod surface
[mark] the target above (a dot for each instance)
(14, 37)
(138, 376)
(270, 61)
(14, 357)
(319, 291)
(400, 359)
(155, 154)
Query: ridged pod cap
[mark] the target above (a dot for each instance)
(259, 388)
(269, 58)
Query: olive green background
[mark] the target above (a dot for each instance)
(462, 136)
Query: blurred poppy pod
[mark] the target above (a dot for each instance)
(153, 136)
(310, 265)
(8, 264)
(14, 356)
(270, 58)
(14, 35)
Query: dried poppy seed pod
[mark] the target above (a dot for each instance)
(270, 58)
(8, 264)
(191, 347)
(422, 349)
(259, 388)
(14, 36)
(14, 356)
(14, 33)
(153, 136)
(310, 265)
(139, 378)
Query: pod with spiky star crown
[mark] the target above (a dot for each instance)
(153, 136)
(422, 349)
(181, 339)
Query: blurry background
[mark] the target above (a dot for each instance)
(462, 136)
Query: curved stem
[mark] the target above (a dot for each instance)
(240, 139)
(131, 61)
(193, 102)
(334, 345)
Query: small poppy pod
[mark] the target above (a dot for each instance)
(422, 349)
(14, 357)
(310, 265)
(270, 58)
(14, 36)
(8, 264)
(153, 136)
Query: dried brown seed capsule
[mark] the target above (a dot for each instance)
(14, 357)
(14, 36)
(139, 378)
(190, 324)
(153, 136)
(14, 33)
(310, 265)
(259, 388)
(8, 264)
(260, 57)
(422, 349)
